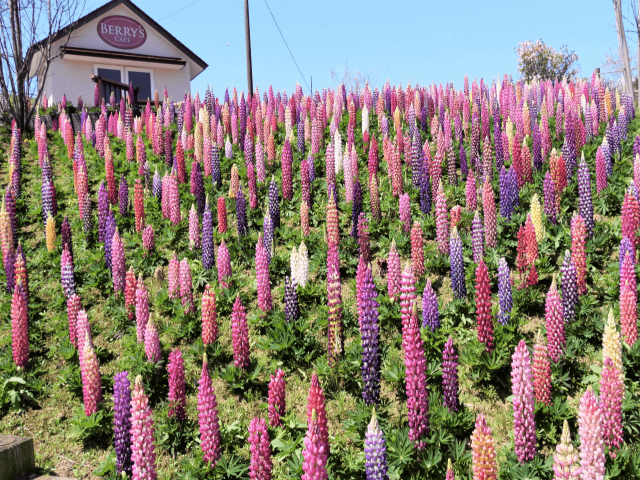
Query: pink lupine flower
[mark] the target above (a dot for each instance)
(393, 273)
(209, 316)
(177, 398)
(524, 424)
(208, 417)
(260, 467)
(91, 385)
(556, 340)
(590, 427)
(142, 435)
(152, 343)
(316, 403)
(611, 396)
(405, 212)
(315, 452)
(20, 327)
(173, 277)
(277, 405)
(142, 309)
(224, 265)
(240, 335)
(118, 267)
(262, 276)
(442, 223)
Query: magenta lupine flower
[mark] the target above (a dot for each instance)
(629, 314)
(148, 241)
(91, 385)
(173, 277)
(471, 193)
(417, 249)
(611, 396)
(177, 397)
(186, 287)
(407, 297)
(118, 267)
(194, 228)
(260, 466)
(316, 402)
(590, 427)
(524, 424)
(393, 273)
(442, 222)
(405, 212)
(450, 376)
(277, 405)
(483, 306)
(152, 343)
(208, 417)
(315, 452)
(601, 171)
(209, 316)
(73, 306)
(416, 379)
(142, 435)
(262, 276)
(554, 317)
(240, 335)
(224, 265)
(142, 309)
(19, 327)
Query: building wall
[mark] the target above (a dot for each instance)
(73, 77)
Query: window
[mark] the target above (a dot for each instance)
(143, 79)
(110, 74)
(113, 73)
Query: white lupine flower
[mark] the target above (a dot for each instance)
(302, 275)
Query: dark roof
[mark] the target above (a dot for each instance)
(90, 52)
(129, 4)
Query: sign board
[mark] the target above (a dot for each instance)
(122, 32)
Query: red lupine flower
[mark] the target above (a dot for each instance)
(209, 316)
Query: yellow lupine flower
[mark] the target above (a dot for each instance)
(611, 346)
(536, 218)
(50, 233)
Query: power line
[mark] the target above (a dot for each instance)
(175, 13)
(285, 42)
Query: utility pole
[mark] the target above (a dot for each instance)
(247, 37)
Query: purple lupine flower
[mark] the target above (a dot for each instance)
(464, 168)
(157, 185)
(65, 231)
(103, 211)
(109, 230)
(197, 183)
(274, 204)
(66, 272)
(425, 190)
(504, 292)
(584, 190)
(291, 308)
(267, 226)
(216, 174)
(477, 235)
(370, 332)
(375, 452)
(569, 287)
(208, 253)
(626, 248)
(123, 197)
(606, 153)
(430, 313)
(457, 265)
(241, 214)
(550, 202)
(122, 422)
(507, 187)
(356, 207)
(312, 169)
(450, 376)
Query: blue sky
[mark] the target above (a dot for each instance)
(415, 41)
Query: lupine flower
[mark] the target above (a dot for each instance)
(611, 346)
(277, 404)
(578, 255)
(477, 235)
(457, 265)
(417, 250)
(287, 175)
(274, 203)
(333, 232)
(177, 398)
(407, 297)
(65, 231)
(240, 335)
(241, 213)
(430, 313)
(122, 422)
(291, 309)
(66, 267)
(541, 371)
(315, 452)
(550, 201)
(316, 402)
(142, 309)
(489, 208)
(19, 327)
(260, 466)
(186, 286)
(393, 273)
(173, 277)
(222, 215)
(524, 426)
(224, 265)
(629, 314)
(91, 386)
(483, 306)
(142, 434)
(483, 451)
(565, 461)
(363, 237)
(555, 324)
(601, 171)
(152, 343)
(630, 216)
(73, 306)
(471, 192)
(208, 417)
(370, 332)
(50, 234)
(405, 212)
(118, 267)
(356, 205)
(442, 224)
(590, 427)
(455, 215)
(611, 396)
(584, 191)
(138, 204)
(569, 285)
(334, 302)
(262, 276)
(194, 228)
(450, 473)
(123, 196)
(375, 452)
(416, 380)
(209, 316)
(536, 218)
(450, 376)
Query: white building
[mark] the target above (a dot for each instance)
(120, 43)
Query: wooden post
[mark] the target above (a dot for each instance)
(247, 37)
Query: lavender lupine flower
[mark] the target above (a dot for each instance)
(430, 313)
(370, 332)
(103, 211)
(291, 309)
(208, 252)
(504, 292)
(208, 417)
(66, 273)
(274, 204)
(375, 452)
(122, 422)
(584, 190)
(550, 202)
(524, 426)
(241, 214)
(450, 376)
(477, 235)
(157, 185)
(425, 190)
(569, 287)
(457, 265)
(123, 197)
(109, 230)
